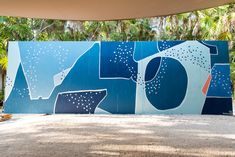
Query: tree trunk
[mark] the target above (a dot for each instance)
(233, 90)
(3, 86)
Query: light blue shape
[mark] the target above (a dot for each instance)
(40, 59)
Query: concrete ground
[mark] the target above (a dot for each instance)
(117, 135)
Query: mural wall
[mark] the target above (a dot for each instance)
(161, 77)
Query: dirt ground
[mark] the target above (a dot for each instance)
(117, 135)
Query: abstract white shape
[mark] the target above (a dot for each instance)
(58, 78)
(14, 59)
(197, 76)
(100, 111)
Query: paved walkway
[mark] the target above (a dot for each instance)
(112, 135)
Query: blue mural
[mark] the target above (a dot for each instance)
(158, 77)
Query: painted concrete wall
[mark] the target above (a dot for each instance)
(161, 77)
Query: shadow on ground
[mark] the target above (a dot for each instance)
(113, 135)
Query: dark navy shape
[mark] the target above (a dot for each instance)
(79, 102)
(116, 60)
(167, 90)
(222, 55)
(152, 68)
(220, 84)
(213, 48)
(218, 106)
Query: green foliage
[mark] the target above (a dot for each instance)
(3, 62)
(1, 98)
(232, 63)
(3, 54)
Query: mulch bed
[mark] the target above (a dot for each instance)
(4, 117)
